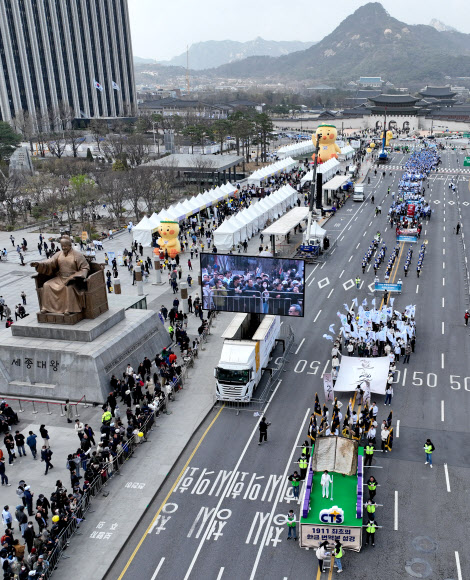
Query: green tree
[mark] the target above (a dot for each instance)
(222, 129)
(263, 127)
(9, 141)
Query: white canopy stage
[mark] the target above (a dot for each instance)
(296, 149)
(370, 373)
(316, 231)
(287, 223)
(327, 169)
(142, 232)
(226, 236)
(332, 185)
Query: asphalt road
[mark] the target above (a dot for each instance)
(225, 517)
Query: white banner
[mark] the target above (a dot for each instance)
(370, 373)
(328, 387)
(311, 536)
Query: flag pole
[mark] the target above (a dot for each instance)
(331, 488)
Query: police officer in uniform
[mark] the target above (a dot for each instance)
(369, 450)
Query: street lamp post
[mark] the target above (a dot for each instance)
(154, 141)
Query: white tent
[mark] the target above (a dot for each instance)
(264, 173)
(240, 226)
(226, 236)
(255, 214)
(347, 152)
(142, 232)
(327, 169)
(247, 221)
(317, 231)
(296, 149)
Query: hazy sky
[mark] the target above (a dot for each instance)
(162, 29)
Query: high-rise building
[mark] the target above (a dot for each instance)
(66, 57)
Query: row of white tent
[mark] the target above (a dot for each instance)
(296, 149)
(327, 169)
(246, 223)
(281, 166)
(142, 232)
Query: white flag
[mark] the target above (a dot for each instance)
(328, 337)
(97, 85)
(355, 301)
(331, 328)
(116, 87)
(364, 302)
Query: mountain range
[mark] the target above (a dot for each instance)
(214, 53)
(368, 42)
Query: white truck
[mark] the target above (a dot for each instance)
(245, 355)
(358, 194)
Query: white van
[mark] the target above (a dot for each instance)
(358, 194)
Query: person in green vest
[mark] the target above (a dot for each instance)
(303, 464)
(428, 449)
(372, 487)
(291, 525)
(171, 331)
(370, 532)
(106, 417)
(370, 507)
(295, 480)
(358, 282)
(369, 451)
(338, 554)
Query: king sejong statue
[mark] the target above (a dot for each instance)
(59, 294)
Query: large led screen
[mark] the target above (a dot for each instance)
(240, 283)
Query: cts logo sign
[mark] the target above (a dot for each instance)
(334, 515)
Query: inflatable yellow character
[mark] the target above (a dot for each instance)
(327, 137)
(168, 239)
(388, 137)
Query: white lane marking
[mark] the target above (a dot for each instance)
(355, 219)
(417, 288)
(308, 277)
(364, 234)
(395, 527)
(443, 302)
(322, 266)
(404, 377)
(361, 285)
(443, 265)
(444, 228)
(324, 368)
(368, 267)
(398, 428)
(342, 272)
(386, 228)
(157, 569)
(210, 523)
(457, 563)
(443, 327)
(350, 259)
(358, 245)
(370, 224)
(442, 410)
(349, 228)
(300, 345)
(319, 312)
(341, 239)
(278, 497)
(446, 471)
(311, 281)
(333, 251)
(443, 281)
(444, 239)
(219, 575)
(331, 292)
(442, 360)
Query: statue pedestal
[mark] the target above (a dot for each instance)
(60, 361)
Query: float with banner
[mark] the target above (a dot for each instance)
(338, 516)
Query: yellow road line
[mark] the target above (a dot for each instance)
(394, 273)
(129, 562)
(318, 573)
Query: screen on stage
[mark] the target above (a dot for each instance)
(240, 283)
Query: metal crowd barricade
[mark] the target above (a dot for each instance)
(110, 469)
(37, 401)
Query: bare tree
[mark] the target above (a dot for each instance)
(9, 189)
(56, 144)
(136, 149)
(24, 123)
(74, 138)
(113, 146)
(202, 167)
(165, 178)
(99, 130)
(113, 191)
(143, 188)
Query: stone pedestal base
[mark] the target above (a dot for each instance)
(59, 361)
